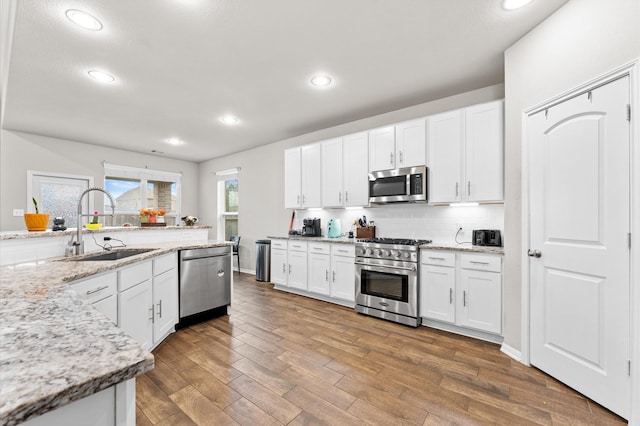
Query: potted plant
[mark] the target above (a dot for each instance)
(36, 221)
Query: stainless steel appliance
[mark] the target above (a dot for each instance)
(205, 284)
(407, 185)
(487, 237)
(387, 277)
(311, 227)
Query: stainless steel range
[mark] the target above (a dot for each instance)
(387, 272)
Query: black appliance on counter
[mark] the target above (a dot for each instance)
(487, 237)
(311, 227)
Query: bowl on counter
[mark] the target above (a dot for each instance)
(93, 225)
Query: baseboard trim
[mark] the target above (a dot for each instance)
(511, 352)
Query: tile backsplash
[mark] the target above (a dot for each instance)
(419, 221)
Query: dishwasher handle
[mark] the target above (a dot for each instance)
(195, 254)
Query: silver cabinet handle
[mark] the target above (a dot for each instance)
(391, 158)
(401, 160)
(151, 312)
(326, 275)
(534, 253)
(304, 199)
(97, 289)
(298, 199)
(457, 189)
(342, 251)
(284, 268)
(289, 269)
(464, 298)
(437, 258)
(160, 308)
(339, 196)
(468, 188)
(346, 196)
(334, 276)
(450, 296)
(479, 263)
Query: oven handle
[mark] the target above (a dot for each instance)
(404, 268)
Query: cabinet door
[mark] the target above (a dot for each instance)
(165, 302)
(479, 303)
(311, 176)
(292, 178)
(382, 149)
(437, 293)
(109, 307)
(332, 193)
(135, 313)
(484, 148)
(356, 169)
(297, 277)
(279, 267)
(411, 143)
(446, 137)
(343, 272)
(319, 273)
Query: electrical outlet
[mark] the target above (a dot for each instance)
(18, 212)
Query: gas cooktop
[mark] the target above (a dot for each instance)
(396, 241)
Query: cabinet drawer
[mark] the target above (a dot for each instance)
(323, 248)
(296, 245)
(437, 257)
(135, 274)
(97, 288)
(278, 244)
(164, 263)
(347, 250)
(480, 262)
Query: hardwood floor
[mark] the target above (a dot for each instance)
(280, 359)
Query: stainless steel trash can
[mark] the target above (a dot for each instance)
(263, 260)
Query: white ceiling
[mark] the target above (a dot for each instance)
(180, 64)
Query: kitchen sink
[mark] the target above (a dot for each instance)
(113, 255)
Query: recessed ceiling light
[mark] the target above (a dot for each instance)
(84, 20)
(229, 120)
(514, 4)
(174, 141)
(101, 76)
(321, 80)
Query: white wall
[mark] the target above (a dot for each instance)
(20, 152)
(261, 178)
(582, 40)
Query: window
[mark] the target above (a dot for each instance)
(228, 204)
(57, 194)
(135, 189)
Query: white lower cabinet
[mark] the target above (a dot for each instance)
(319, 268)
(165, 296)
(297, 265)
(462, 289)
(279, 262)
(343, 272)
(135, 314)
(101, 291)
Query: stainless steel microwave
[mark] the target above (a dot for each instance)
(406, 185)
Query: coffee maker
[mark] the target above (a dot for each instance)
(311, 227)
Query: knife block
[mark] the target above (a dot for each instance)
(366, 232)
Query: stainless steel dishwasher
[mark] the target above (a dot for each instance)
(205, 284)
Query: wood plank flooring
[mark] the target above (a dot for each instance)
(279, 358)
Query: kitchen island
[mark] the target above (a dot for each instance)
(54, 347)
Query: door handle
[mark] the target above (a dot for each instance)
(457, 189)
(450, 296)
(534, 253)
(326, 275)
(339, 196)
(284, 268)
(391, 158)
(160, 309)
(401, 159)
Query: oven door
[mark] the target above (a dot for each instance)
(389, 286)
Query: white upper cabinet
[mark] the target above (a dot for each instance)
(446, 139)
(355, 177)
(411, 143)
(332, 169)
(292, 178)
(485, 152)
(382, 149)
(302, 177)
(402, 145)
(466, 154)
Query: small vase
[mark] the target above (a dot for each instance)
(36, 221)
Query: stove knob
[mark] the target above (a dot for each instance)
(387, 253)
(369, 251)
(396, 253)
(407, 255)
(377, 252)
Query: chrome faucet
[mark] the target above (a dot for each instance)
(78, 244)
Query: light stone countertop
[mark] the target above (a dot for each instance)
(436, 245)
(13, 235)
(55, 348)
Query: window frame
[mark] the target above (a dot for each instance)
(222, 214)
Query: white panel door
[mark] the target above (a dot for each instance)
(343, 272)
(382, 148)
(580, 260)
(446, 138)
(479, 302)
(279, 267)
(165, 302)
(332, 194)
(292, 178)
(319, 266)
(356, 169)
(484, 149)
(411, 143)
(437, 293)
(297, 277)
(135, 313)
(311, 176)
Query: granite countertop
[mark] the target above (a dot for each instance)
(12, 235)
(55, 348)
(436, 245)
